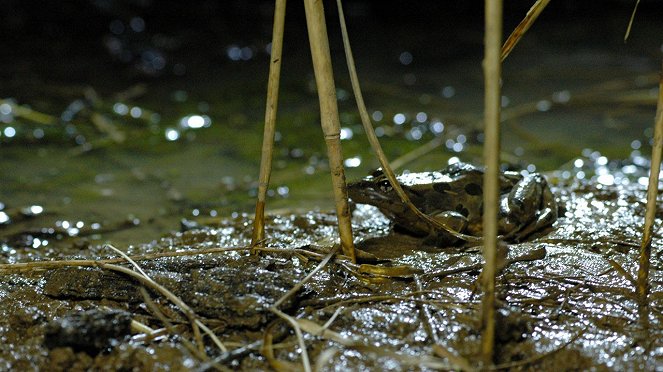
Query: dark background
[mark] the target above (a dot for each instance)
(186, 32)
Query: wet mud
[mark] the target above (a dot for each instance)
(565, 298)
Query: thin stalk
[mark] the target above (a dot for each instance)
(652, 190)
(331, 127)
(375, 143)
(524, 25)
(492, 71)
(630, 21)
(270, 122)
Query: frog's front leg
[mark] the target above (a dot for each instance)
(545, 216)
(529, 207)
(454, 220)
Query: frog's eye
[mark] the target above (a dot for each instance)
(384, 186)
(377, 173)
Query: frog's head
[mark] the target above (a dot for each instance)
(374, 189)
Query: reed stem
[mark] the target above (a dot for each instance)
(270, 123)
(331, 127)
(492, 72)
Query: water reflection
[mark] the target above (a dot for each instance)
(592, 166)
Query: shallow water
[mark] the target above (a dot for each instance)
(190, 102)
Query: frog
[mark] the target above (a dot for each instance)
(453, 196)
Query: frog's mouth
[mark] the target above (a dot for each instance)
(365, 193)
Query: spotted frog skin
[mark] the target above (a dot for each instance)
(454, 196)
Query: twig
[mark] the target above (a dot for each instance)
(268, 351)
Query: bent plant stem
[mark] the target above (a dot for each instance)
(270, 123)
(171, 329)
(329, 119)
(375, 143)
(174, 299)
(196, 324)
(652, 191)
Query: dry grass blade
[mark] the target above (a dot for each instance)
(401, 271)
(320, 331)
(625, 274)
(29, 114)
(522, 27)
(196, 324)
(331, 319)
(458, 361)
(268, 351)
(139, 327)
(630, 21)
(171, 329)
(298, 332)
(652, 191)
(46, 265)
(416, 153)
(126, 257)
(147, 281)
(324, 357)
(299, 285)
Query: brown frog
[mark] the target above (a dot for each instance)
(454, 196)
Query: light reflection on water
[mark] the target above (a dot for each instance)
(210, 115)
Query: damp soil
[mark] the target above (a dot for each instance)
(565, 298)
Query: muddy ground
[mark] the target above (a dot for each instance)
(566, 298)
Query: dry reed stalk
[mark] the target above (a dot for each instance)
(270, 122)
(331, 127)
(524, 25)
(492, 71)
(652, 190)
